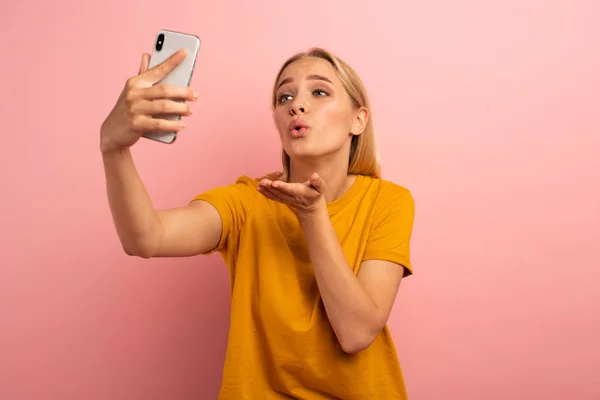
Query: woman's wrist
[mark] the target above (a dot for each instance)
(316, 215)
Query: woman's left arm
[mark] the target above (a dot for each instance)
(358, 306)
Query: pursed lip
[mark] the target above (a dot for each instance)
(298, 124)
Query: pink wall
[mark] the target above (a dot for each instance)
(487, 111)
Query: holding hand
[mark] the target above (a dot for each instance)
(306, 199)
(141, 99)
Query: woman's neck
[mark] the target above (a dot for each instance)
(337, 180)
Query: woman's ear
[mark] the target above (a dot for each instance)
(361, 117)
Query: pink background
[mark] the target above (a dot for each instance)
(487, 111)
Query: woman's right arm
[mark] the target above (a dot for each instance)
(146, 232)
(142, 230)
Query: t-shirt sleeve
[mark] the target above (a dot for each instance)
(233, 202)
(390, 234)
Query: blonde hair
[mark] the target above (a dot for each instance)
(364, 159)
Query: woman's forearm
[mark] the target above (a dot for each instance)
(352, 313)
(134, 216)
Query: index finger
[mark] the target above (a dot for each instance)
(161, 70)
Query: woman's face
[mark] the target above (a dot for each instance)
(313, 112)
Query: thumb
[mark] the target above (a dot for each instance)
(144, 63)
(317, 182)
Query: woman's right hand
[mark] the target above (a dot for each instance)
(141, 99)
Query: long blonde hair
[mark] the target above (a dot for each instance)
(363, 158)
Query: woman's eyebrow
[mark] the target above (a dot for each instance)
(309, 77)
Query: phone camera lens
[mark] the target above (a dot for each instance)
(160, 41)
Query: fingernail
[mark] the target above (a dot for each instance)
(195, 94)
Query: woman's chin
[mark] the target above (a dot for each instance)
(301, 150)
(308, 149)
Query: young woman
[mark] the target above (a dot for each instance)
(315, 253)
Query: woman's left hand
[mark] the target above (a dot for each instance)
(305, 199)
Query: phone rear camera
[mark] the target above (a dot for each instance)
(160, 41)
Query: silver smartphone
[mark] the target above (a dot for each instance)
(166, 43)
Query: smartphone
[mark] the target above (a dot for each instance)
(166, 43)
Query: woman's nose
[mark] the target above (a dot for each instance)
(298, 109)
(299, 106)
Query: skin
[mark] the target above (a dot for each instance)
(358, 306)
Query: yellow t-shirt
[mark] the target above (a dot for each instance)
(281, 343)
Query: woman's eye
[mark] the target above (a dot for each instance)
(318, 92)
(283, 97)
